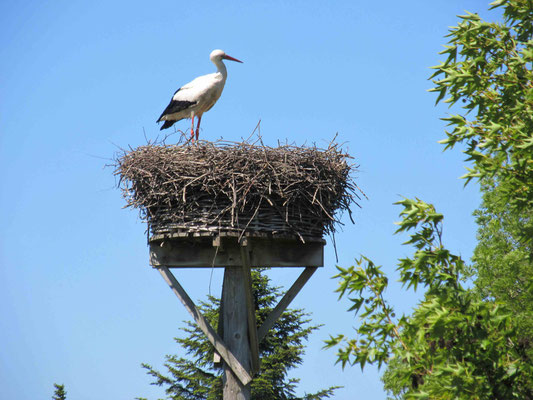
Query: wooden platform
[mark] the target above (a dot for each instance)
(188, 250)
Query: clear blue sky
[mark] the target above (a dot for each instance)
(79, 303)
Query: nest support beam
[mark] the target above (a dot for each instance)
(250, 306)
(237, 341)
(188, 251)
(284, 302)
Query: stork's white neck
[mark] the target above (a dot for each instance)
(221, 67)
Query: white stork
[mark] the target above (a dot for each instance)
(197, 96)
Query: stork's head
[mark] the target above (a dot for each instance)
(217, 55)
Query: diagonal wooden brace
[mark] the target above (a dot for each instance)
(237, 368)
(284, 302)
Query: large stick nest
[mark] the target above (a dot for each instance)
(242, 188)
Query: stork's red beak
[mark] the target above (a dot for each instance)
(226, 57)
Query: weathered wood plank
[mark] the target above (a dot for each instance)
(240, 372)
(235, 331)
(250, 308)
(267, 252)
(285, 301)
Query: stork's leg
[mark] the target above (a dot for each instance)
(192, 127)
(198, 126)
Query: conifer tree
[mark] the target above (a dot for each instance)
(59, 393)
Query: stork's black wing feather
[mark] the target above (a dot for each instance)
(167, 124)
(176, 106)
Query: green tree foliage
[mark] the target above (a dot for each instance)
(460, 343)
(489, 70)
(453, 345)
(194, 378)
(502, 260)
(59, 393)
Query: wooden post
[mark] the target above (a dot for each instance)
(250, 307)
(235, 331)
